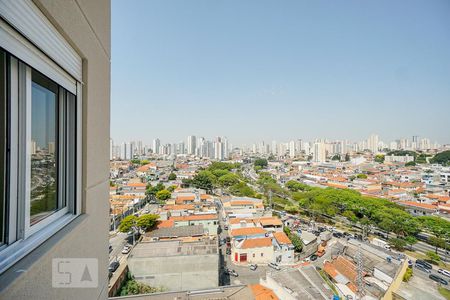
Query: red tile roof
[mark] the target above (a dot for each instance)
(195, 217)
(282, 238)
(262, 293)
(248, 231)
(256, 243)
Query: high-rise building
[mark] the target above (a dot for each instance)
(155, 146)
(292, 149)
(372, 143)
(226, 150)
(218, 149)
(191, 145)
(319, 152)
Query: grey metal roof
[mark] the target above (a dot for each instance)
(180, 231)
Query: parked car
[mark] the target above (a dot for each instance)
(253, 267)
(422, 268)
(444, 272)
(424, 264)
(438, 279)
(231, 272)
(274, 266)
(225, 227)
(110, 248)
(126, 249)
(113, 266)
(313, 257)
(228, 251)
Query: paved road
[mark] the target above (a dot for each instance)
(424, 275)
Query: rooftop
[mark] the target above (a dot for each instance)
(173, 248)
(180, 231)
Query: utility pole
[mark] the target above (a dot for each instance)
(360, 275)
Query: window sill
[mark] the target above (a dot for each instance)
(18, 250)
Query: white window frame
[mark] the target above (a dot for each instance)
(34, 43)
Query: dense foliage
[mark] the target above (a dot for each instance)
(163, 195)
(260, 162)
(442, 158)
(172, 176)
(147, 222)
(133, 287)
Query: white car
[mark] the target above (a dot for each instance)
(444, 272)
(274, 266)
(126, 250)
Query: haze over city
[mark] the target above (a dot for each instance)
(253, 70)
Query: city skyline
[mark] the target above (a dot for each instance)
(163, 140)
(260, 71)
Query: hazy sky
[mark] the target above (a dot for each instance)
(280, 70)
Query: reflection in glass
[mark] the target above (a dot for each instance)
(43, 148)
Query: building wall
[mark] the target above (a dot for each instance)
(286, 255)
(395, 285)
(86, 26)
(177, 273)
(267, 253)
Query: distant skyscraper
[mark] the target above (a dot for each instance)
(219, 149)
(319, 152)
(292, 149)
(191, 145)
(226, 150)
(139, 148)
(274, 148)
(372, 143)
(155, 146)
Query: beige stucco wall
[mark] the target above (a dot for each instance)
(86, 26)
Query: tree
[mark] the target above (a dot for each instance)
(172, 176)
(379, 158)
(171, 188)
(147, 222)
(297, 242)
(361, 176)
(410, 240)
(433, 257)
(155, 189)
(241, 189)
(408, 274)
(228, 179)
(398, 244)
(127, 223)
(410, 164)
(336, 157)
(442, 158)
(135, 161)
(262, 162)
(295, 186)
(347, 157)
(133, 287)
(163, 195)
(203, 181)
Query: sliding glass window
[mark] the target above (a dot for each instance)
(3, 146)
(43, 152)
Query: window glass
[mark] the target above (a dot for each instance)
(2, 144)
(44, 129)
